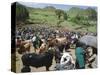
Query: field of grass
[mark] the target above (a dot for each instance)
(48, 17)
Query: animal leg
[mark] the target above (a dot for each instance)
(25, 69)
(47, 68)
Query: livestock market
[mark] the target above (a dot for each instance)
(54, 49)
(53, 38)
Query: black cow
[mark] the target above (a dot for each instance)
(37, 60)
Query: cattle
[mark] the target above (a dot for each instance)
(24, 47)
(60, 42)
(43, 48)
(37, 60)
(52, 42)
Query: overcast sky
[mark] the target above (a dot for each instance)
(58, 6)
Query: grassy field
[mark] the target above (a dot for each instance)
(48, 17)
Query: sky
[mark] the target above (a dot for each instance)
(57, 6)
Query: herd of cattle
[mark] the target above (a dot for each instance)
(53, 43)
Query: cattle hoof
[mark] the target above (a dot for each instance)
(26, 69)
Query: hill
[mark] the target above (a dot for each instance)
(78, 19)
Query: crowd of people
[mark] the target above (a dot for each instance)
(61, 41)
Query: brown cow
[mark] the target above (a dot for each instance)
(43, 48)
(57, 41)
(24, 46)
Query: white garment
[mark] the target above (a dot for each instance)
(75, 36)
(34, 38)
(66, 64)
(68, 58)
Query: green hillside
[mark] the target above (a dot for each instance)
(77, 19)
(74, 11)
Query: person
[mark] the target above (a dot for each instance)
(66, 62)
(80, 56)
(36, 41)
(18, 41)
(92, 58)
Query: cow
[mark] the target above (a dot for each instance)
(59, 43)
(24, 47)
(43, 48)
(37, 60)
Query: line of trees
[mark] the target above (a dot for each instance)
(85, 17)
(22, 13)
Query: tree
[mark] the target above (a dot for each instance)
(61, 15)
(22, 13)
(91, 13)
(65, 16)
